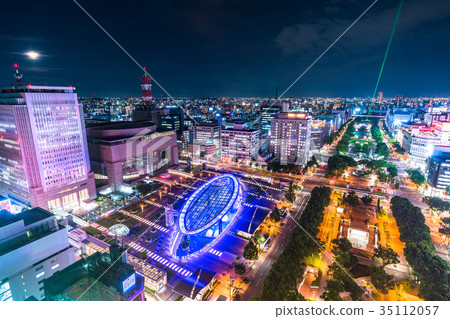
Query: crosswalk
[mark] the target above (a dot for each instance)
(263, 186)
(145, 221)
(99, 227)
(161, 260)
(215, 252)
(155, 204)
(265, 197)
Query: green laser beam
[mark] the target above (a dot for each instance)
(385, 55)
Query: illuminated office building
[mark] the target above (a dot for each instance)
(44, 159)
(239, 144)
(291, 137)
(204, 140)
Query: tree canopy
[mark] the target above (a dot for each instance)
(275, 215)
(432, 270)
(436, 203)
(251, 251)
(352, 199)
(416, 176)
(381, 280)
(337, 164)
(387, 255)
(287, 272)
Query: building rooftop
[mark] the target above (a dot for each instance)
(101, 266)
(7, 218)
(146, 269)
(120, 125)
(190, 286)
(37, 89)
(34, 215)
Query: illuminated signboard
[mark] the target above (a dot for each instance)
(297, 115)
(5, 204)
(129, 282)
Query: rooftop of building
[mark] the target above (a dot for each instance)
(245, 129)
(7, 218)
(146, 269)
(30, 216)
(34, 215)
(192, 285)
(37, 89)
(209, 124)
(23, 238)
(107, 268)
(293, 116)
(121, 125)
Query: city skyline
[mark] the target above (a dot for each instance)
(218, 48)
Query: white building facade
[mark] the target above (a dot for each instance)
(44, 158)
(32, 247)
(239, 144)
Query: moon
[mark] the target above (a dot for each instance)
(33, 55)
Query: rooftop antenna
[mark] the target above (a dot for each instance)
(146, 87)
(17, 75)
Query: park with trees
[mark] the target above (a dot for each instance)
(432, 271)
(287, 272)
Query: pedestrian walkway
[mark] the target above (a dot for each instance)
(161, 260)
(155, 204)
(145, 221)
(99, 227)
(215, 252)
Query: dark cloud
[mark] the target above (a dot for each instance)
(370, 31)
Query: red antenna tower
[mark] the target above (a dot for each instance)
(146, 86)
(17, 75)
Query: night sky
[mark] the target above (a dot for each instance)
(230, 48)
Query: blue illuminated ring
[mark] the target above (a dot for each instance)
(219, 216)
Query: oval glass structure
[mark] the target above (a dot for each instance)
(119, 230)
(209, 204)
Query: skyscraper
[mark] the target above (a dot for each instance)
(291, 137)
(44, 158)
